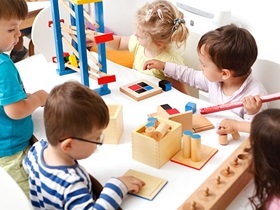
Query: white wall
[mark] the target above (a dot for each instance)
(261, 18)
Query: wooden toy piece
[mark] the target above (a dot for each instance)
(235, 163)
(103, 38)
(86, 15)
(222, 107)
(114, 130)
(200, 154)
(206, 195)
(154, 120)
(160, 131)
(185, 118)
(165, 85)
(106, 79)
(233, 183)
(186, 148)
(195, 148)
(200, 123)
(190, 106)
(227, 172)
(193, 206)
(156, 153)
(217, 183)
(235, 136)
(150, 128)
(140, 90)
(78, 47)
(73, 60)
(223, 139)
(153, 185)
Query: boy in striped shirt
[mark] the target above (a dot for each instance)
(74, 118)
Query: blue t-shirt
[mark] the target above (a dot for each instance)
(14, 134)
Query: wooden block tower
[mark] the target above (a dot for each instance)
(77, 16)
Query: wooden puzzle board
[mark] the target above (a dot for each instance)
(206, 154)
(140, 90)
(153, 185)
(201, 123)
(224, 184)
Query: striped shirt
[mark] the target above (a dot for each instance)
(66, 187)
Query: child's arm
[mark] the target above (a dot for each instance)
(228, 126)
(26, 107)
(118, 43)
(154, 64)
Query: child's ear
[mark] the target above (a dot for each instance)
(226, 74)
(66, 145)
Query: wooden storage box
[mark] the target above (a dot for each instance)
(154, 153)
(114, 130)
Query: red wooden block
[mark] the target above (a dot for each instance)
(106, 79)
(172, 111)
(103, 38)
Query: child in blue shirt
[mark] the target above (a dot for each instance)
(16, 106)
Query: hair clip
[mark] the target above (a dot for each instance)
(177, 22)
(160, 15)
(149, 14)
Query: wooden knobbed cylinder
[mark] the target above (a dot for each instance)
(160, 131)
(223, 139)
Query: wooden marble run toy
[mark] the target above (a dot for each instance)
(193, 153)
(140, 90)
(222, 186)
(78, 43)
(222, 107)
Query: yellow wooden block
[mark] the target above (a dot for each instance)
(78, 2)
(114, 130)
(154, 153)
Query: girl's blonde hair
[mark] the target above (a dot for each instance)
(162, 22)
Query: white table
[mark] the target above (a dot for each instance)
(115, 160)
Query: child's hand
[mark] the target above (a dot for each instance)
(227, 126)
(132, 183)
(252, 104)
(90, 42)
(154, 64)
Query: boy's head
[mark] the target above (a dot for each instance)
(73, 109)
(12, 12)
(13, 9)
(230, 47)
(161, 21)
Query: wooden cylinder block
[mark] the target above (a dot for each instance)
(186, 147)
(223, 139)
(196, 148)
(160, 131)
